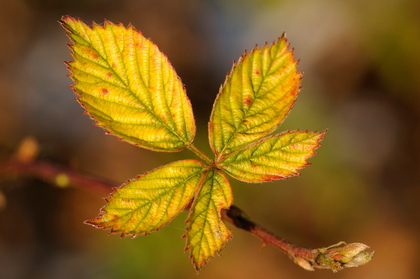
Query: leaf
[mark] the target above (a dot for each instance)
(152, 200)
(128, 86)
(206, 232)
(275, 157)
(255, 98)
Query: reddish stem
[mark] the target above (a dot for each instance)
(330, 257)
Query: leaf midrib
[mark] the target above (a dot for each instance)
(256, 93)
(149, 202)
(127, 88)
(273, 149)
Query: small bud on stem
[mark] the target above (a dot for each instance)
(341, 255)
(334, 257)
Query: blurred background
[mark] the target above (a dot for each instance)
(361, 64)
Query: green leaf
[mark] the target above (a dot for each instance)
(128, 86)
(150, 201)
(256, 97)
(206, 232)
(275, 157)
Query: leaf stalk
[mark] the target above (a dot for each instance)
(200, 154)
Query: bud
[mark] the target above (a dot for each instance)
(341, 255)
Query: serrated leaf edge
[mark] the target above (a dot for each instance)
(220, 165)
(187, 247)
(69, 31)
(227, 78)
(102, 210)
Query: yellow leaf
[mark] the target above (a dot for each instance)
(275, 157)
(150, 201)
(255, 98)
(128, 86)
(206, 232)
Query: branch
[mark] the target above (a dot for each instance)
(23, 164)
(335, 257)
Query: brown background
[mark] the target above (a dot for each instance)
(361, 62)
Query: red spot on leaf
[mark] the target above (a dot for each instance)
(257, 72)
(105, 91)
(108, 75)
(247, 101)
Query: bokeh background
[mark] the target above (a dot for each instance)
(361, 64)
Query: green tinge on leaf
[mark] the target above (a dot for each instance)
(147, 203)
(128, 86)
(206, 232)
(275, 157)
(255, 98)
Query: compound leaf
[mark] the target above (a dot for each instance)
(150, 201)
(206, 232)
(255, 98)
(128, 86)
(275, 157)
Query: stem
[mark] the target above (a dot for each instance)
(55, 175)
(334, 257)
(200, 153)
(237, 217)
(240, 220)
